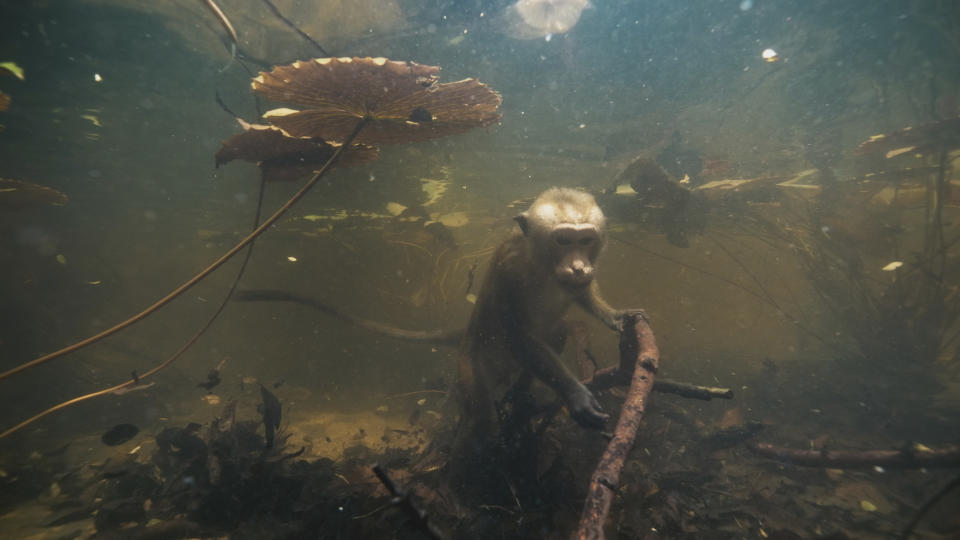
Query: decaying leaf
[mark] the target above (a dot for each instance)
(13, 69)
(20, 194)
(395, 208)
(403, 99)
(922, 138)
(454, 219)
(892, 266)
(435, 188)
(4, 101)
(281, 156)
(899, 151)
(721, 188)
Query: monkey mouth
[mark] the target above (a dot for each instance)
(575, 281)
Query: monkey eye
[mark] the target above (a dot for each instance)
(564, 240)
(586, 241)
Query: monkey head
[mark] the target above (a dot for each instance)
(565, 232)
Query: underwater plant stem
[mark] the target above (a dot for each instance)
(294, 27)
(927, 506)
(225, 22)
(203, 273)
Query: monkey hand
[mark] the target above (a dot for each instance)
(585, 409)
(621, 318)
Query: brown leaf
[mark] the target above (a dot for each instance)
(283, 157)
(403, 100)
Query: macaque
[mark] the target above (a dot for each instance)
(517, 328)
(517, 325)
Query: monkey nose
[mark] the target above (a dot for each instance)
(577, 275)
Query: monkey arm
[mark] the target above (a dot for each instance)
(593, 303)
(544, 363)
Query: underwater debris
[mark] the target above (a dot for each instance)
(281, 156)
(401, 498)
(20, 194)
(272, 413)
(213, 377)
(403, 99)
(892, 266)
(119, 434)
(919, 139)
(681, 160)
(13, 69)
(453, 220)
(649, 180)
(682, 213)
(225, 22)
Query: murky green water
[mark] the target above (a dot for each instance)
(775, 282)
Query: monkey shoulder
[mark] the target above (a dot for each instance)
(512, 260)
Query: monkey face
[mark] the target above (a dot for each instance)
(565, 235)
(574, 249)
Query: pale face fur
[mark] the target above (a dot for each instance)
(565, 231)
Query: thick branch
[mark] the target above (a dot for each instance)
(639, 347)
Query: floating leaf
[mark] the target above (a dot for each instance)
(403, 99)
(892, 266)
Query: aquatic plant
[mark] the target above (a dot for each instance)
(397, 101)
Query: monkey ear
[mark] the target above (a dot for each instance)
(522, 221)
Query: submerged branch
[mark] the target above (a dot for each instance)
(637, 344)
(911, 456)
(401, 498)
